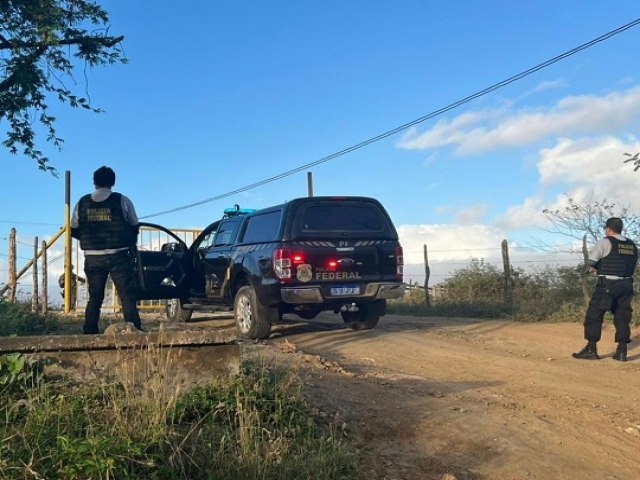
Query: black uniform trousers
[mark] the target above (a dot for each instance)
(614, 296)
(97, 268)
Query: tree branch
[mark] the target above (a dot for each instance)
(11, 79)
(104, 41)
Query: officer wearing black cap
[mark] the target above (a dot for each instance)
(107, 226)
(614, 259)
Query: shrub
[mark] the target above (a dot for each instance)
(551, 293)
(257, 425)
(17, 319)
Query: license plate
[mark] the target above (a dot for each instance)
(346, 290)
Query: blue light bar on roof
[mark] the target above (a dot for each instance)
(233, 211)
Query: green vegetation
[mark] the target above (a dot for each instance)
(255, 426)
(42, 43)
(477, 290)
(17, 319)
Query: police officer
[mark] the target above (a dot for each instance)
(107, 226)
(75, 279)
(614, 259)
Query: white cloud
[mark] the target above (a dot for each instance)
(446, 242)
(484, 130)
(452, 246)
(470, 215)
(548, 85)
(628, 80)
(463, 216)
(431, 159)
(527, 214)
(597, 162)
(589, 167)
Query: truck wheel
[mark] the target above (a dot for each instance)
(365, 318)
(174, 311)
(253, 320)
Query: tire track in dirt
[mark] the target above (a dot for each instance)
(439, 398)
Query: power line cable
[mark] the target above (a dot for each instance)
(407, 125)
(30, 223)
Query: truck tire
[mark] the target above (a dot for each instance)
(253, 320)
(365, 318)
(174, 311)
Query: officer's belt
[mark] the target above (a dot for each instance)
(611, 278)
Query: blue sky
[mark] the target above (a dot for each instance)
(219, 95)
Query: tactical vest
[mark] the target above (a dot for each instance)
(622, 259)
(102, 224)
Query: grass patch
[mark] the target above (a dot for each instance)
(447, 309)
(17, 319)
(254, 426)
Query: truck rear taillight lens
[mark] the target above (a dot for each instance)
(282, 263)
(399, 262)
(284, 260)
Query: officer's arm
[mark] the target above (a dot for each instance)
(129, 211)
(592, 266)
(131, 217)
(75, 223)
(600, 250)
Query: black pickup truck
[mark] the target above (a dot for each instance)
(305, 256)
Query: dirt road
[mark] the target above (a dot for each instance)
(438, 398)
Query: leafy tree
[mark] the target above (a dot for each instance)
(41, 41)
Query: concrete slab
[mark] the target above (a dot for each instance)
(68, 343)
(166, 369)
(174, 359)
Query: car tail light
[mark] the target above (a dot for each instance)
(282, 263)
(399, 262)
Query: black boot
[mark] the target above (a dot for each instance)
(621, 352)
(589, 352)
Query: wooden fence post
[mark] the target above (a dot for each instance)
(584, 276)
(427, 274)
(34, 291)
(508, 281)
(45, 280)
(13, 281)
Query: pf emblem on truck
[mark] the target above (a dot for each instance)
(304, 273)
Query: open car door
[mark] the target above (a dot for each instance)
(162, 273)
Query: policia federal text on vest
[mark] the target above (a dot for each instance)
(102, 224)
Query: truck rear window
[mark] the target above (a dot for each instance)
(342, 218)
(262, 227)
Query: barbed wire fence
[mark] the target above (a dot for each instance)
(41, 271)
(426, 268)
(439, 265)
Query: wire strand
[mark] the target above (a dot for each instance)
(407, 125)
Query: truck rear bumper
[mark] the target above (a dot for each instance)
(372, 291)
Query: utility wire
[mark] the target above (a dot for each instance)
(30, 223)
(19, 258)
(405, 126)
